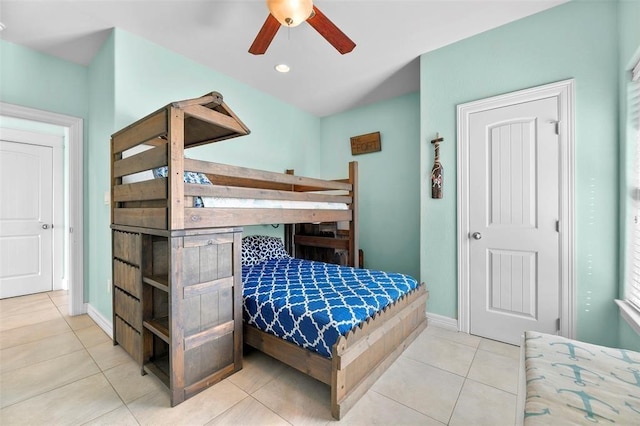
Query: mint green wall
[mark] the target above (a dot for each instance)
(35, 80)
(97, 177)
(32, 79)
(132, 77)
(629, 54)
(389, 180)
(575, 40)
(149, 76)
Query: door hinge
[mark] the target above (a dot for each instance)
(557, 226)
(558, 324)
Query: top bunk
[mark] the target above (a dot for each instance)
(155, 186)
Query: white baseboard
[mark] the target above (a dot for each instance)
(99, 319)
(442, 321)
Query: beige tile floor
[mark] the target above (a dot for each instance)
(56, 369)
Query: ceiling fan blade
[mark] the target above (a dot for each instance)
(329, 31)
(265, 36)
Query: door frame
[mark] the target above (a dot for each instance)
(564, 92)
(75, 187)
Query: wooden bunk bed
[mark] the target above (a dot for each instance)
(154, 218)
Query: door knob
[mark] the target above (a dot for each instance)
(477, 235)
(45, 226)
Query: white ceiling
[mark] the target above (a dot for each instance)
(390, 36)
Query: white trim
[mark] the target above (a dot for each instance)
(75, 130)
(564, 91)
(630, 315)
(102, 322)
(442, 321)
(635, 73)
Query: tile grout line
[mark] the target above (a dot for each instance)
(404, 405)
(49, 390)
(462, 387)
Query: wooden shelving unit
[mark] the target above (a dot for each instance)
(178, 304)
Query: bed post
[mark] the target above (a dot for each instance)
(354, 244)
(289, 228)
(176, 169)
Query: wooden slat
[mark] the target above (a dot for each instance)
(154, 189)
(325, 242)
(296, 356)
(149, 159)
(207, 240)
(210, 380)
(127, 277)
(161, 282)
(208, 335)
(212, 217)
(247, 183)
(208, 287)
(148, 204)
(209, 98)
(159, 328)
(261, 194)
(128, 308)
(214, 117)
(128, 337)
(126, 246)
(150, 127)
(361, 346)
(233, 115)
(366, 328)
(301, 188)
(263, 175)
(146, 218)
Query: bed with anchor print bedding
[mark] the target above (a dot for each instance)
(571, 382)
(313, 303)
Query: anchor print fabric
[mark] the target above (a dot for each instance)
(571, 382)
(313, 303)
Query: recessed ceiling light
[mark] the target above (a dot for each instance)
(283, 68)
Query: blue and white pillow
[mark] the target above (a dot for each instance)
(250, 256)
(267, 247)
(189, 177)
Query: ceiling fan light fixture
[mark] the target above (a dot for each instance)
(290, 13)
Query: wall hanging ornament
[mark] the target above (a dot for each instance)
(436, 171)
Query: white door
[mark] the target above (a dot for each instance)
(26, 213)
(514, 208)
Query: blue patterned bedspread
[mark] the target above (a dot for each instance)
(312, 303)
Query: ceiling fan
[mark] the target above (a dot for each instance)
(291, 13)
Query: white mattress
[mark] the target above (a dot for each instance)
(251, 203)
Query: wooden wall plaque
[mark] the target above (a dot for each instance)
(365, 144)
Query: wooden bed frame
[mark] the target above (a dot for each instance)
(165, 204)
(359, 358)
